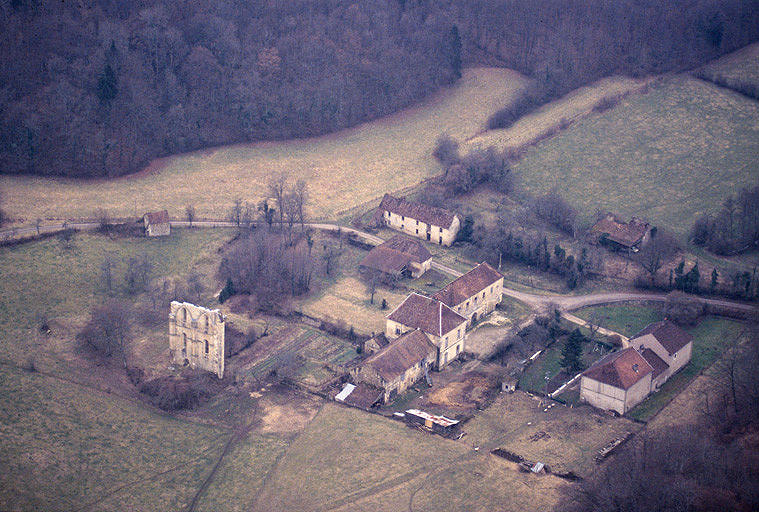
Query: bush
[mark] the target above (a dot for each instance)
(553, 209)
(507, 116)
(184, 392)
(681, 309)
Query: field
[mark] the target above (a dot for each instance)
(668, 155)
(711, 337)
(573, 435)
(349, 460)
(739, 68)
(344, 169)
(572, 107)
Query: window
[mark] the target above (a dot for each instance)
(441, 230)
(417, 231)
(417, 223)
(445, 339)
(397, 330)
(184, 344)
(440, 242)
(458, 347)
(207, 326)
(184, 316)
(459, 333)
(206, 346)
(403, 218)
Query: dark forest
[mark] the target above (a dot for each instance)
(101, 87)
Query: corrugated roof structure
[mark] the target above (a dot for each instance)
(471, 283)
(434, 418)
(620, 369)
(429, 315)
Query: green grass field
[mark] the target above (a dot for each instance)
(343, 169)
(668, 155)
(741, 67)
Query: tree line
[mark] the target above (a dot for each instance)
(735, 228)
(99, 88)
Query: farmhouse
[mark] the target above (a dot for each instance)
(399, 256)
(614, 233)
(398, 365)
(157, 223)
(666, 347)
(445, 327)
(474, 294)
(617, 382)
(429, 223)
(196, 337)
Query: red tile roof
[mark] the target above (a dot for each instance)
(626, 234)
(620, 369)
(395, 359)
(430, 215)
(429, 315)
(670, 336)
(161, 217)
(656, 362)
(471, 283)
(393, 256)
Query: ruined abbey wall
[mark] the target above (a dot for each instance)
(196, 335)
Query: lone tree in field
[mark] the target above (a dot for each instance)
(570, 354)
(108, 330)
(278, 191)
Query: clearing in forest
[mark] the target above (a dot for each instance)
(343, 169)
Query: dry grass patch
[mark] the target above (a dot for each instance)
(574, 435)
(347, 300)
(343, 169)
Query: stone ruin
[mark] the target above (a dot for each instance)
(196, 337)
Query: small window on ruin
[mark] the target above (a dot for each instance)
(206, 342)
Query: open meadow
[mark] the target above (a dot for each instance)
(343, 169)
(738, 70)
(669, 155)
(347, 459)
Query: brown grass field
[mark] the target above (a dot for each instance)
(343, 169)
(350, 460)
(570, 108)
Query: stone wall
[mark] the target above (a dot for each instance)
(196, 337)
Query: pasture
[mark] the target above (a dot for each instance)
(668, 155)
(343, 169)
(350, 460)
(567, 439)
(738, 70)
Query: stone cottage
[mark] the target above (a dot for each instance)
(401, 256)
(157, 223)
(429, 223)
(445, 328)
(617, 382)
(397, 366)
(475, 294)
(666, 347)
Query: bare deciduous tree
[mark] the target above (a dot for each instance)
(108, 330)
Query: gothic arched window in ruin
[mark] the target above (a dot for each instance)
(206, 342)
(184, 316)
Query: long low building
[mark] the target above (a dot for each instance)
(429, 223)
